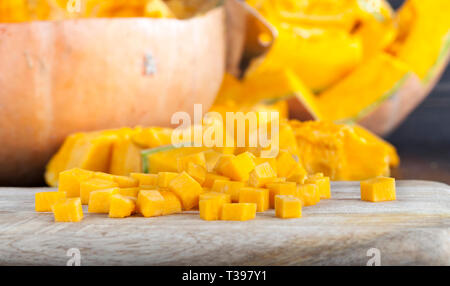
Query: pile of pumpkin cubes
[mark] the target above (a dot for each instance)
(236, 187)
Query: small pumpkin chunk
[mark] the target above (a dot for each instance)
(287, 166)
(145, 179)
(323, 184)
(378, 189)
(68, 210)
(261, 175)
(309, 194)
(172, 204)
(121, 206)
(99, 201)
(129, 192)
(104, 176)
(211, 203)
(238, 212)
(88, 186)
(187, 190)
(260, 197)
(282, 188)
(126, 182)
(197, 172)
(288, 207)
(239, 167)
(210, 178)
(70, 180)
(164, 178)
(228, 187)
(45, 200)
(150, 203)
(197, 159)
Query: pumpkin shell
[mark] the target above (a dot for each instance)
(62, 77)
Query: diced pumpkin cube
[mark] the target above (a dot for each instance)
(238, 212)
(104, 176)
(261, 175)
(197, 172)
(121, 206)
(196, 158)
(211, 158)
(88, 186)
(129, 192)
(69, 181)
(228, 187)
(288, 207)
(298, 178)
(164, 178)
(282, 188)
(287, 165)
(45, 200)
(260, 197)
(271, 161)
(210, 205)
(187, 190)
(68, 210)
(125, 157)
(309, 194)
(126, 182)
(210, 178)
(378, 189)
(99, 201)
(145, 179)
(223, 162)
(323, 184)
(172, 204)
(239, 167)
(150, 203)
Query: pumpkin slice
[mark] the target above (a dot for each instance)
(423, 41)
(364, 89)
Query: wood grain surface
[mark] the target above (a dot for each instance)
(414, 230)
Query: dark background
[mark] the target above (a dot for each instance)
(423, 140)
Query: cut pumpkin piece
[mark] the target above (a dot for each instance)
(307, 53)
(340, 152)
(364, 89)
(424, 42)
(125, 158)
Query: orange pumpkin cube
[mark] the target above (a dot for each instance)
(323, 184)
(288, 207)
(88, 186)
(44, 200)
(309, 194)
(197, 172)
(99, 201)
(379, 189)
(70, 180)
(126, 182)
(145, 179)
(260, 197)
(283, 188)
(121, 206)
(239, 167)
(68, 210)
(197, 159)
(228, 187)
(104, 176)
(287, 166)
(164, 178)
(272, 161)
(150, 203)
(261, 175)
(172, 204)
(238, 212)
(223, 162)
(210, 178)
(187, 190)
(129, 192)
(210, 205)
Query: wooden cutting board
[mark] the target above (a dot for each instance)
(414, 230)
